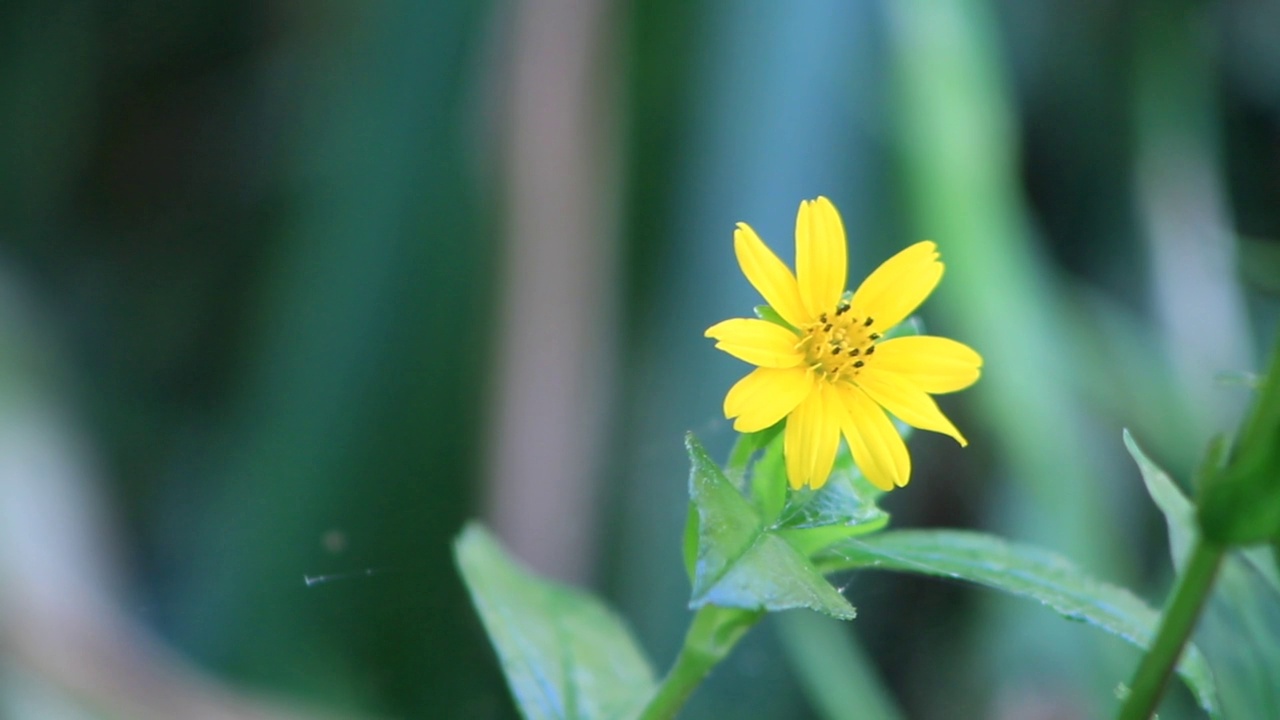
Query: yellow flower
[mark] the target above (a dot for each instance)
(830, 372)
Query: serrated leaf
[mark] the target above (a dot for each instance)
(847, 500)
(565, 654)
(739, 564)
(845, 506)
(1024, 571)
(1242, 618)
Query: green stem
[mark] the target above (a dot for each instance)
(1179, 619)
(685, 675)
(712, 634)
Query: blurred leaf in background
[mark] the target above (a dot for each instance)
(257, 228)
(265, 242)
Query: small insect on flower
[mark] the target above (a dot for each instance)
(826, 369)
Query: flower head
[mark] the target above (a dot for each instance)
(828, 370)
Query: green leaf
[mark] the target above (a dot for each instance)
(1021, 570)
(1259, 262)
(689, 545)
(1179, 513)
(1180, 517)
(1238, 632)
(844, 507)
(847, 500)
(566, 655)
(739, 565)
(1275, 552)
(1240, 505)
(745, 449)
(1242, 618)
(769, 482)
(764, 312)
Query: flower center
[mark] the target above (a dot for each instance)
(838, 345)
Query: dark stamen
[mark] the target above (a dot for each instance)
(871, 349)
(827, 328)
(855, 352)
(858, 364)
(869, 321)
(874, 336)
(836, 351)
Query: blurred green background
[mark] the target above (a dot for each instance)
(292, 290)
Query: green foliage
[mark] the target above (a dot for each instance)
(1241, 504)
(768, 487)
(1242, 620)
(746, 450)
(1260, 263)
(1178, 511)
(1023, 571)
(565, 654)
(764, 312)
(742, 564)
(846, 500)
(749, 551)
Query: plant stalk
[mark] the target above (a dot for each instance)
(712, 634)
(1180, 615)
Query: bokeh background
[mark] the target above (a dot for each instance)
(289, 291)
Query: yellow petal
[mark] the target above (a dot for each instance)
(821, 261)
(769, 275)
(812, 436)
(875, 443)
(899, 285)
(933, 364)
(758, 342)
(765, 396)
(910, 404)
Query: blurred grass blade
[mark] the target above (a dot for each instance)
(1259, 263)
(1024, 571)
(739, 564)
(955, 127)
(838, 678)
(565, 654)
